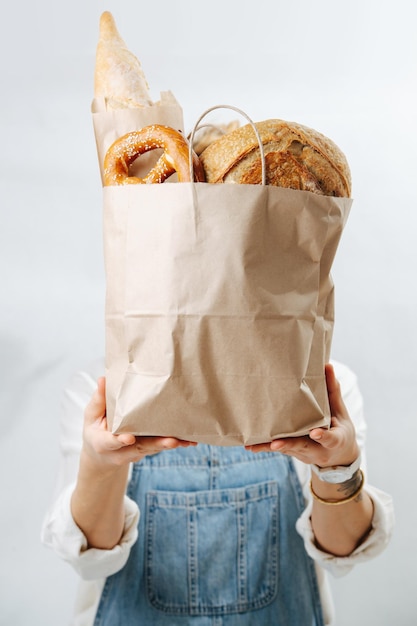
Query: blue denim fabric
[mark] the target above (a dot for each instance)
(217, 544)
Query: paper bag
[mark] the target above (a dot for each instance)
(219, 310)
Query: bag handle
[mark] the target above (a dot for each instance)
(233, 108)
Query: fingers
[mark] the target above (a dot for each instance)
(327, 438)
(152, 445)
(292, 446)
(322, 446)
(111, 442)
(125, 439)
(337, 406)
(319, 449)
(106, 448)
(295, 446)
(96, 408)
(95, 424)
(263, 447)
(95, 414)
(146, 445)
(119, 451)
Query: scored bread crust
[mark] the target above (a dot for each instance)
(296, 157)
(118, 75)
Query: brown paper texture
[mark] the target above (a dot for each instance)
(219, 310)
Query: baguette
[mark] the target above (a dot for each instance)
(118, 76)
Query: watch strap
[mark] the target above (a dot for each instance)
(337, 473)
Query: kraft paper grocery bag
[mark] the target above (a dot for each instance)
(219, 309)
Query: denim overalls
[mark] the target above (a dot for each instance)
(217, 544)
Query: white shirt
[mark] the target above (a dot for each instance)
(93, 565)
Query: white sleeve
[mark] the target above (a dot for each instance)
(383, 518)
(59, 530)
(61, 533)
(374, 544)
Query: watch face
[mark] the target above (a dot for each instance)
(337, 473)
(335, 476)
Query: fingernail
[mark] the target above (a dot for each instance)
(316, 435)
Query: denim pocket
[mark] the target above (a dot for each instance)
(212, 552)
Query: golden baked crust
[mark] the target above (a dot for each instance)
(295, 156)
(118, 75)
(175, 158)
(211, 132)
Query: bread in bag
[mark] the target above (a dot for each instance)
(118, 75)
(296, 157)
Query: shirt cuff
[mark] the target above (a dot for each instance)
(374, 544)
(62, 534)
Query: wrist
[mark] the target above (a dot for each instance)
(336, 473)
(98, 468)
(97, 502)
(341, 493)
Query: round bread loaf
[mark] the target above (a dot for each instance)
(296, 157)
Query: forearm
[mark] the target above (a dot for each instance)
(339, 529)
(97, 503)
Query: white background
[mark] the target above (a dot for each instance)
(346, 69)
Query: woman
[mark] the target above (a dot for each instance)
(212, 535)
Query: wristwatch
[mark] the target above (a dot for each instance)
(337, 473)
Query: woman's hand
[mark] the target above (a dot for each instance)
(337, 529)
(324, 447)
(103, 448)
(97, 502)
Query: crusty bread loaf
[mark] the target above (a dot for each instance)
(118, 76)
(207, 133)
(296, 157)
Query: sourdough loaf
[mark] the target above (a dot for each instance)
(295, 156)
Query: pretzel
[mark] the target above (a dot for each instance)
(125, 150)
